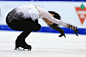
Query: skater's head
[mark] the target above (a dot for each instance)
(55, 15)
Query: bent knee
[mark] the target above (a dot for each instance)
(37, 28)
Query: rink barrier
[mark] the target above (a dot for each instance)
(48, 30)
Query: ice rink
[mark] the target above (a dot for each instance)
(43, 45)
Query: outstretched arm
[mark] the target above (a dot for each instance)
(48, 16)
(55, 27)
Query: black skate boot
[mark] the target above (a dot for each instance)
(23, 45)
(26, 46)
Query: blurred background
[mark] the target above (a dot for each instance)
(71, 11)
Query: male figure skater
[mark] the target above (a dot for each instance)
(25, 18)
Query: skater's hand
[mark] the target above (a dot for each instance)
(62, 35)
(75, 31)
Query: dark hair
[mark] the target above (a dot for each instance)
(56, 15)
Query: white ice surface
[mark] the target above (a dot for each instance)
(43, 45)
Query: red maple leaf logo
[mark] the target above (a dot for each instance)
(81, 13)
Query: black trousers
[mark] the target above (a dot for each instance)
(26, 26)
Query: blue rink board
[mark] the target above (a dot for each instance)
(49, 30)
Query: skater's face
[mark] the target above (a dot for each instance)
(52, 14)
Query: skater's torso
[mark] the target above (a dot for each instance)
(24, 12)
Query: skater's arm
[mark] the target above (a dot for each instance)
(48, 16)
(48, 22)
(54, 20)
(54, 26)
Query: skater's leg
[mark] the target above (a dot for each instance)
(20, 41)
(27, 27)
(22, 25)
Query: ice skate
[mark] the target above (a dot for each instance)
(27, 47)
(22, 44)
